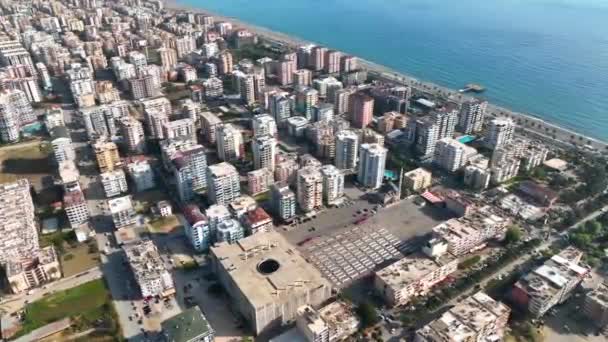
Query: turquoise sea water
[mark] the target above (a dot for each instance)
(545, 57)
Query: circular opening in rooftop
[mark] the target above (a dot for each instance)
(268, 266)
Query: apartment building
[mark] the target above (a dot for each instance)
(257, 221)
(412, 276)
(75, 206)
(476, 318)
(141, 174)
(114, 182)
(122, 212)
(418, 179)
(223, 183)
(107, 156)
(309, 188)
(283, 201)
(148, 268)
(550, 284)
(198, 230)
(259, 181)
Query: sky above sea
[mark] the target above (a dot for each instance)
(548, 58)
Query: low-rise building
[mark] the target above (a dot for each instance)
(164, 208)
(550, 284)
(229, 231)
(257, 221)
(149, 269)
(477, 318)
(41, 267)
(188, 326)
(412, 276)
(242, 205)
(216, 214)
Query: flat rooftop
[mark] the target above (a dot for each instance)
(410, 269)
(267, 269)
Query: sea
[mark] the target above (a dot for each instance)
(547, 58)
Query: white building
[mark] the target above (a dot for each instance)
(133, 134)
(149, 269)
(121, 210)
(333, 184)
(472, 114)
(198, 230)
(180, 129)
(347, 150)
(216, 213)
(452, 155)
(223, 183)
(371, 165)
(310, 188)
(500, 132)
(264, 124)
(75, 206)
(114, 183)
(142, 175)
(258, 181)
(229, 231)
(61, 144)
(189, 167)
(283, 201)
(229, 142)
(264, 152)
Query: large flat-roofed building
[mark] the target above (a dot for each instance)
(550, 284)
(41, 267)
(412, 276)
(121, 210)
(149, 270)
(268, 279)
(477, 318)
(596, 306)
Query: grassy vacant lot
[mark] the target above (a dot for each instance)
(73, 256)
(25, 160)
(164, 225)
(87, 304)
(79, 259)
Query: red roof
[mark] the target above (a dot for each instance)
(257, 215)
(193, 214)
(429, 196)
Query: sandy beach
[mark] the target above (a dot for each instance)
(529, 124)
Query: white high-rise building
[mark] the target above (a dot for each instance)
(347, 149)
(306, 98)
(280, 107)
(333, 184)
(264, 152)
(15, 110)
(371, 165)
(446, 120)
(99, 122)
(62, 144)
(283, 201)
(189, 166)
(245, 83)
(197, 229)
(133, 134)
(229, 142)
(114, 183)
(229, 231)
(121, 210)
(427, 134)
(180, 129)
(450, 154)
(500, 132)
(310, 188)
(472, 115)
(142, 175)
(223, 183)
(264, 124)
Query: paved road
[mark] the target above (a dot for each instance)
(17, 302)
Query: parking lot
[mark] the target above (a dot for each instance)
(404, 220)
(351, 254)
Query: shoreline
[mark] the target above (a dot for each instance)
(529, 123)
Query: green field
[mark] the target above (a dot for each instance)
(85, 304)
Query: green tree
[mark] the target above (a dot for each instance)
(513, 235)
(367, 314)
(593, 227)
